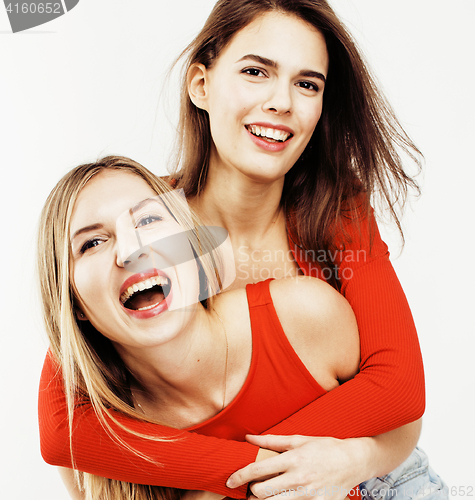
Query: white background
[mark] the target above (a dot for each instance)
(89, 83)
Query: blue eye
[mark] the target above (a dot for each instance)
(93, 242)
(148, 219)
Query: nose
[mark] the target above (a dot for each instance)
(127, 243)
(120, 262)
(280, 99)
(120, 255)
(118, 259)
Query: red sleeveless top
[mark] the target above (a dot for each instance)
(278, 383)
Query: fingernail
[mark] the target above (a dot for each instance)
(229, 483)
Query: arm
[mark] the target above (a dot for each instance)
(388, 391)
(193, 461)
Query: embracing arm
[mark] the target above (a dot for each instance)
(192, 461)
(387, 393)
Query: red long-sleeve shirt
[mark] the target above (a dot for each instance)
(387, 392)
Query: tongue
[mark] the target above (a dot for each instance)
(146, 298)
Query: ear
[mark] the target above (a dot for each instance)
(197, 81)
(80, 315)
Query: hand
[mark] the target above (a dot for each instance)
(307, 466)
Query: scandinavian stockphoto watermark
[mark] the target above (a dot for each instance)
(27, 14)
(305, 491)
(326, 264)
(382, 493)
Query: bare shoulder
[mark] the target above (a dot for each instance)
(320, 325)
(233, 301)
(305, 299)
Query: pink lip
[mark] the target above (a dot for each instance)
(270, 146)
(154, 311)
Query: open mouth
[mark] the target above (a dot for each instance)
(146, 294)
(269, 134)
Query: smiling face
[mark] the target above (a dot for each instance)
(131, 308)
(263, 95)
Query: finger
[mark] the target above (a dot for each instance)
(275, 443)
(257, 471)
(271, 490)
(284, 485)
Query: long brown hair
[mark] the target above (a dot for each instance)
(356, 152)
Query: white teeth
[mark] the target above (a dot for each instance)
(143, 285)
(283, 135)
(270, 133)
(147, 307)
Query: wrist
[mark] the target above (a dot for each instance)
(362, 454)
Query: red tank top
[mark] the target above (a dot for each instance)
(278, 383)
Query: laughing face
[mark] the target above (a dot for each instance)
(129, 306)
(263, 95)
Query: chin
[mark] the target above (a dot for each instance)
(266, 175)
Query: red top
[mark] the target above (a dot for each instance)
(278, 383)
(391, 374)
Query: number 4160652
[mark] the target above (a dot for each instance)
(34, 8)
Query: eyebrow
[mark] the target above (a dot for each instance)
(142, 203)
(273, 64)
(86, 229)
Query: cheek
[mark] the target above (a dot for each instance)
(189, 278)
(188, 290)
(87, 280)
(310, 117)
(228, 117)
(231, 101)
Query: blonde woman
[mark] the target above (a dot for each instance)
(144, 344)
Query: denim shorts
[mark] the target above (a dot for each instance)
(412, 480)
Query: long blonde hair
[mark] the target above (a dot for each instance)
(90, 365)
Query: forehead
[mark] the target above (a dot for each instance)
(106, 196)
(281, 37)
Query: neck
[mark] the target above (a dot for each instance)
(184, 371)
(247, 208)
